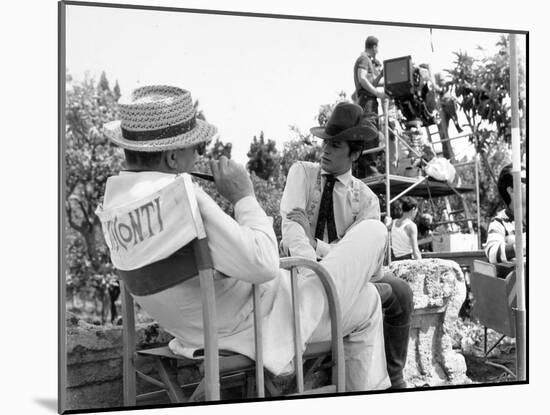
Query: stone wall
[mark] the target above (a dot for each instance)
(94, 364)
(439, 290)
(94, 352)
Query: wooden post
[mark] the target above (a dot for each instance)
(128, 347)
(62, 376)
(478, 207)
(258, 341)
(518, 215)
(385, 102)
(211, 353)
(297, 330)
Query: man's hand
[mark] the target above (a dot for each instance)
(299, 216)
(231, 178)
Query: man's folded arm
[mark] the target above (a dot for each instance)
(294, 196)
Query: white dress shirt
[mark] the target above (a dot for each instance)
(302, 191)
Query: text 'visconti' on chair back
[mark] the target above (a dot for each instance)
(202, 265)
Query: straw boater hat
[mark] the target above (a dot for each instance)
(158, 118)
(347, 123)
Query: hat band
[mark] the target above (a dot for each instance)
(333, 129)
(159, 134)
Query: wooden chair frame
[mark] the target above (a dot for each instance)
(215, 363)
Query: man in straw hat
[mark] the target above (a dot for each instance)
(160, 135)
(330, 215)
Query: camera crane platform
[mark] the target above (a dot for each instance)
(408, 87)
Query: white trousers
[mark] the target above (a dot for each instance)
(351, 263)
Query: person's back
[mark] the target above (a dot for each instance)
(362, 61)
(400, 242)
(233, 295)
(143, 219)
(367, 73)
(404, 232)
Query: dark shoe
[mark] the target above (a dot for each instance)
(396, 343)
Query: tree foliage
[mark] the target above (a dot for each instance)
(218, 149)
(263, 158)
(90, 159)
(482, 88)
(300, 147)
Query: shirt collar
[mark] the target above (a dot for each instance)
(344, 178)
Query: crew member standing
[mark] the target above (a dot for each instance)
(367, 73)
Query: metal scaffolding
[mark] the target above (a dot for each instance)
(422, 186)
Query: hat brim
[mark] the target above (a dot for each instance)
(359, 133)
(203, 132)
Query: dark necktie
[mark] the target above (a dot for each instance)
(326, 212)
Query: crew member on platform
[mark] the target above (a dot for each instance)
(367, 73)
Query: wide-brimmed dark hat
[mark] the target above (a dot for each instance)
(347, 123)
(158, 118)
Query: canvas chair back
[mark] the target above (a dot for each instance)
(134, 246)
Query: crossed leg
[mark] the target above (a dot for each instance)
(351, 264)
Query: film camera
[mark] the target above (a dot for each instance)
(411, 89)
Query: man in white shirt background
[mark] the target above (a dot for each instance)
(322, 204)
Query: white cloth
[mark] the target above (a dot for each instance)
(400, 241)
(302, 191)
(351, 262)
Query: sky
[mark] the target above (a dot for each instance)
(249, 74)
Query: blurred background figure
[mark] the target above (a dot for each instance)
(404, 232)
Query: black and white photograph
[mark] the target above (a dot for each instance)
(278, 207)
(260, 206)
